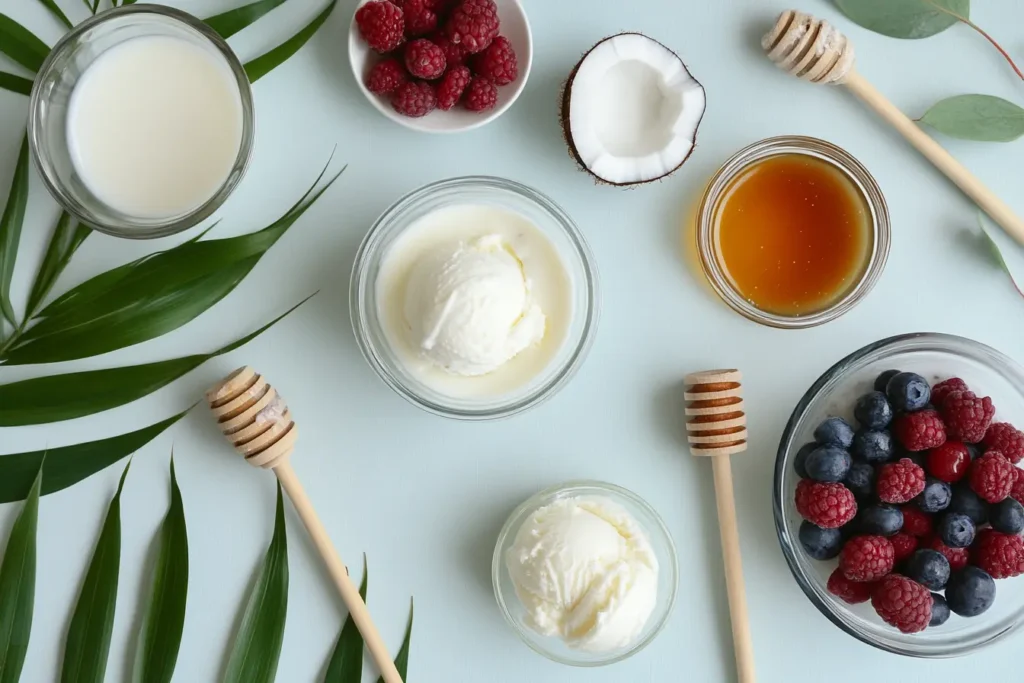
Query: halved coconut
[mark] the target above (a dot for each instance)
(630, 110)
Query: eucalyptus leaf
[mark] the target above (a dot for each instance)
(18, 43)
(88, 643)
(18, 586)
(264, 64)
(18, 84)
(982, 118)
(56, 11)
(164, 616)
(231, 22)
(346, 665)
(402, 658)
(257, 647)
(69, 465)
(997, 255)
(67, 237)
(905, 18)
(63, 397)
(10, 230)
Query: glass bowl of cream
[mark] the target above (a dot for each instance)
(474, 298)
(586, 573)
(141, 121)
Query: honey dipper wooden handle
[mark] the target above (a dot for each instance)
(339, 574)
(742, 642)
(986, 200)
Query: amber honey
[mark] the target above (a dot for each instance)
(793, 234)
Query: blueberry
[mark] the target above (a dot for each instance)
(801, 458)
(872, 446)
(936, 496)
(956, 530)
(883, 380)
(873, 411)
(861, 479)
(834, 431)
(821, 544)
(827, 463)
(940, 610)
(1007, 517)
(880, 520)
(967, 502)
(930, 568)
(970, 591)
(908, 391)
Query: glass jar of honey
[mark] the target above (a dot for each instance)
(792, 232)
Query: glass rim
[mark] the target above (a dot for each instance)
(787, 540)
(359, 284)
(829, 153)
(583, 486)
(155, 229)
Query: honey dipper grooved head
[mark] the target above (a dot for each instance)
(809, 48)
(716, 423)
(253, 418)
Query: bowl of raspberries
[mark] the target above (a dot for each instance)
(441, 66)
(899, 495)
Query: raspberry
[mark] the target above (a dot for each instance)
(866, 558)
(900, 482)
(382, 25)
(473, 24)
(414, 99)
(454, 55)
(916, 522)
(803, 496)
(992, 477)
(497, 62)
(903, 546)
(949, 462)
(957, 556)
(943, 389)
(419, 18)
(1001, 555)
(481, 94)
(386, 77)
(920, 431)
(903, 603)
(852, 592)
(967, 417)
(424, 59)
(830, 506)
(451, 87)
(1007, 439)
(1018, 485)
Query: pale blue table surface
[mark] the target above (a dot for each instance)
(425, 497)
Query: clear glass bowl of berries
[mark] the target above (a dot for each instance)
(897, 495)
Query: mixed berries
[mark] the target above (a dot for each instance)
(451, 49)
(922, 504)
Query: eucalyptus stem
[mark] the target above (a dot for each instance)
(989, 38)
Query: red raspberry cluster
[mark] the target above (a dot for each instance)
(437, 54)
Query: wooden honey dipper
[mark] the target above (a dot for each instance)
(815, 51)
(716, 426)
(257, 422)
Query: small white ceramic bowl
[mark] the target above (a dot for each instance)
(514, 26)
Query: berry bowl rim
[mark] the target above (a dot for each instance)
(831, 607)
(446, 122)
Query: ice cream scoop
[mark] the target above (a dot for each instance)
(469, 306)
(586, 572)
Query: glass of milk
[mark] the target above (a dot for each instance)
(141, 121)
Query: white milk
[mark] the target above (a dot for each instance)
(154, 126)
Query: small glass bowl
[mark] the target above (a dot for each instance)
(935, 357)
(51, 96)
(661, 541)
(820, 149)
(549, 219)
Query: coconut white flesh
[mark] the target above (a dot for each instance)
(634, 110)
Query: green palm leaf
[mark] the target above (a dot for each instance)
(264, 64)
(257, 647)
(18, 84)
(67, 237)
(346, 665)
(88, 644)
(231, 22)
(10, 230)
(18, 43)
(402, 658)
(57, 12)
(164, 616)
(18, 587)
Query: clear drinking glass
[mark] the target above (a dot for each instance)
(51, 95)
